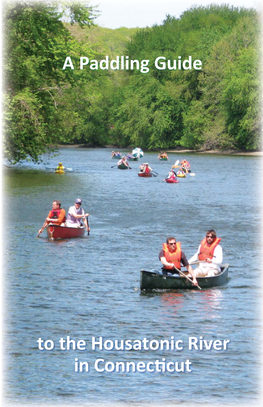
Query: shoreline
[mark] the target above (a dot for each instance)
(218, 152)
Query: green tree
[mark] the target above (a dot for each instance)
(36, 86)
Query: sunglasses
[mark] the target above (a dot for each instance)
(172, 243)
(211, 237)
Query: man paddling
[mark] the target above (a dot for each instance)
(56, 216)
(172, 257)
(209, 255)
(76, 215)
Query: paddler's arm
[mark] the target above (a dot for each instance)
(84, 215)
(165, 262)
(45, 224)
(217, 257)
(186, 264)
(194, 258)
(191, 271)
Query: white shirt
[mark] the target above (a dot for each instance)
(217, 259)
(73, 211)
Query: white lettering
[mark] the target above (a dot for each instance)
(68, 63)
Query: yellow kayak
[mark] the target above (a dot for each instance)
(181, 175)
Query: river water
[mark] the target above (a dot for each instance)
(88, 288)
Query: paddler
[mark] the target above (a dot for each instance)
(56, 216)
(172, 256)
(60, 167)
(209, 255)
(180, 171)
(76, 215)
(185, 166)
(171, 175)
(145, 168)
(124, 161)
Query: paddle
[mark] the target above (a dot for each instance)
(192, 174)
(155, 172)
(176, 163)
(114, 166)
(186, 277)
(88, 225)
(44, 227)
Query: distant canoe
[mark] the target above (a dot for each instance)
(64, 232)
(123, 166)
(155, 280)
(162, 157)
(131, 158)
(144, 174)
(117, 156)
(171, 181)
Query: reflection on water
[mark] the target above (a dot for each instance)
(90, 287)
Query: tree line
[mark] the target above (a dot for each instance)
(217, 107)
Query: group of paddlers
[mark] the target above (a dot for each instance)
(183, 168)
(75, 218)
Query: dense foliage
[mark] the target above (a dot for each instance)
(216, 107)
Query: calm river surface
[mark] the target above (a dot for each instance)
(89, 287)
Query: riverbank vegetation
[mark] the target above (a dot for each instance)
(217, 107)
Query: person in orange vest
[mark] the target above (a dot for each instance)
(172, 257)
(209, 255)
(56, 216)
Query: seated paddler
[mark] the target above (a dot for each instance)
(60, 167)
(76, 215)
(172, 257)
(209, 256)
(56, 216)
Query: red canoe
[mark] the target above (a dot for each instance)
(64, 232)
(171, 181)
(144, 174)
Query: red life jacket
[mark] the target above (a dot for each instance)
(174, 257)
(208, 251)
(55, 214)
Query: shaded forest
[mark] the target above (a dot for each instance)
(217, 107)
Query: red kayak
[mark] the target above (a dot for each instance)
(64, 232)
(171, 181)
(144, 174)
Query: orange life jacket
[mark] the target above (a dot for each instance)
(174, 257)
(208, 251)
